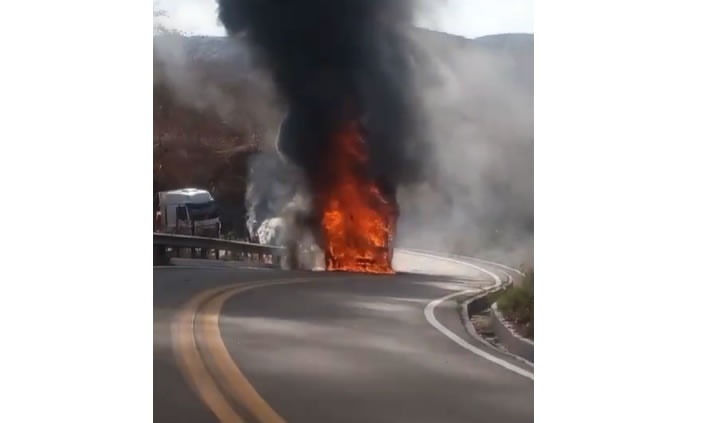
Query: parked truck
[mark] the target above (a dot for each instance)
(188, 211)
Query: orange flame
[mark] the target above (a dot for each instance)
(358, 223)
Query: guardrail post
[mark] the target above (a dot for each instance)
(217, 253)
(160, 256)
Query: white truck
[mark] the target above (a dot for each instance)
(188, 211)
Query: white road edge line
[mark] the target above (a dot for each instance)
(429, 312)
(472, 258)
(495, 277)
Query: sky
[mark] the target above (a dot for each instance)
(468, 18)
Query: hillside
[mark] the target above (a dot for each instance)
(212, 110)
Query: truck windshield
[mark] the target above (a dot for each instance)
(203, 211)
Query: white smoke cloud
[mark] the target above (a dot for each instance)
(480, 114)
(216, 75)
(479, 105)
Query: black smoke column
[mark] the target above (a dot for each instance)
(334, 60)
(342, 65)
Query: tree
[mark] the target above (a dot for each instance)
(158, 27)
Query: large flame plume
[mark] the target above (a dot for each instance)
(357, 219)
(324, 55)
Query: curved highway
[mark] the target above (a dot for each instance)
(234, 344)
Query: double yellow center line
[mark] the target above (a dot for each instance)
(199, 347)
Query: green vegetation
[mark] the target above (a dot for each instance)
(516, 305)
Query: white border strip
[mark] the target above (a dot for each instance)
(472, 330)
(505, 323)
(429, 313)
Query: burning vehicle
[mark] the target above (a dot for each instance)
(344, 70)
(351, 216)
(478, 101)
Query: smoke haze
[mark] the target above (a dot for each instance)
(218, 75)
(479, 102)
(473, 193)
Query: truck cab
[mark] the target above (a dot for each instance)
(188, 211)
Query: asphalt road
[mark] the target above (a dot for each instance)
(234, 344)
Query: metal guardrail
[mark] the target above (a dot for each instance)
(256, 252)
